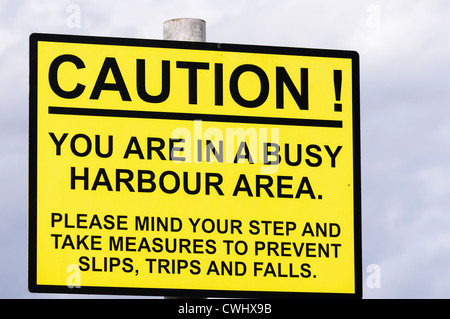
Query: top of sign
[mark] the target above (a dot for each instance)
(192, 44)
(231, 83)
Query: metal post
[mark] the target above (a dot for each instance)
(184, 29)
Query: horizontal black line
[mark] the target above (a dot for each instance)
(192, 116)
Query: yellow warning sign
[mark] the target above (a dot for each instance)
(221, 170)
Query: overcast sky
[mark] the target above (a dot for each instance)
(405, 114)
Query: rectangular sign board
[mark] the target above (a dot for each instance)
(193, 169)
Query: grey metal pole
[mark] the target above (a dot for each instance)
(184, 29)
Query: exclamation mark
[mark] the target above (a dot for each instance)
(337, 90)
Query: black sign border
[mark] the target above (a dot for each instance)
(188, 293)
